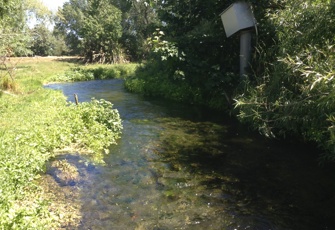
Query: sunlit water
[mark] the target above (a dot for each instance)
(181, 167)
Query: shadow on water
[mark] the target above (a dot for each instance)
(179, 167)
(264, 184)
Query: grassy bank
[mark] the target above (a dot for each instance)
(35, 124)
(94, 72)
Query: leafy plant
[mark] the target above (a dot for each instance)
(292, 93)
(96, 72)
(74, 75)
(33, 128)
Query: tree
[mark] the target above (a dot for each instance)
(12, 25)
(140, 20)
(92, 27)
(46, 42)
(101, 32)
(14, 34)
(116, 29)
(292, 92)
(14, 31)
(191, 51)
(42, 40)
(69, 21)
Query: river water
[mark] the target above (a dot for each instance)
(183, 167)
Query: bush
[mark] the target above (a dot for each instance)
(292, 94)
(91, 72)
(73, 75)
(154, 79)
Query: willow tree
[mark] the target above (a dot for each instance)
(292, 93)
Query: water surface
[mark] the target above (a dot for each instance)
(182, 167)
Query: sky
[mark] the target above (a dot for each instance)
(53, 4)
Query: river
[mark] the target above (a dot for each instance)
(184, 167)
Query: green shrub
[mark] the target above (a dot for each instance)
(292, 94)
(73, 75)
(177, 71)
(152, 79)
(91, 72)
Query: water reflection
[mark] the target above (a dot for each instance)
(177, 167)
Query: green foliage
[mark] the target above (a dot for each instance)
(33, 128)
(292, 93)
(14, 33)
(76, 74)
(96, 72)
(68, 22)
(12, 22)
(100, 121)
(101, 31)
(37, 124)
(289, 92)
(164, 49)
(108, 31)
(45, 43)
(95, 27)
(190, 60)
(111, 71)
(191, 50)
(152, 80)
(139, 21)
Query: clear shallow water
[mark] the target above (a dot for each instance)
(179, 167)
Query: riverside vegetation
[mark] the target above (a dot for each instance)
(36, 124)
(186, 56)
(290, 88)
(289, 92)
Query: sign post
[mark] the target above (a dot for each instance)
(238, 17)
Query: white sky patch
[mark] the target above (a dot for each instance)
(54, 4)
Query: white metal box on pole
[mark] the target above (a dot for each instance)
(238, 16)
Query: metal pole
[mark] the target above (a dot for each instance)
(245, 52)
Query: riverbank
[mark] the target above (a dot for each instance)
(35, 124)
